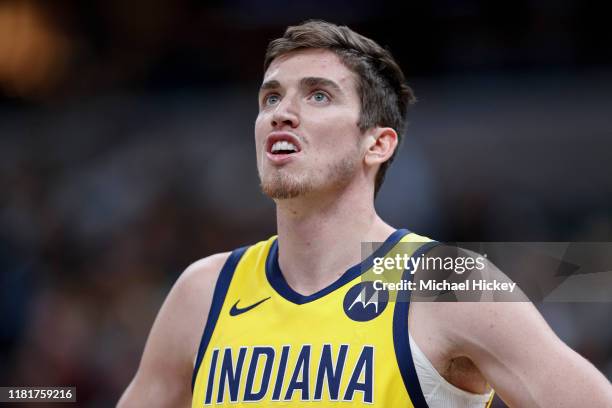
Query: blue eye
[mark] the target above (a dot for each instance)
(271, 99)
(320, 97)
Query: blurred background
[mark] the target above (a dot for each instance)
(126, 153)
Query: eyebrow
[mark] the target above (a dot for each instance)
(310, 82)
(269, 85)
(307, 82)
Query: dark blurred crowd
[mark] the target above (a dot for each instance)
(126, 153)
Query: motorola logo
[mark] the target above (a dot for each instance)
(362, 302)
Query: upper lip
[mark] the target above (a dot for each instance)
(280, 136)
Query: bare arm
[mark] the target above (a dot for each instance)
(510, 344)
(163, 378)
(520, 356)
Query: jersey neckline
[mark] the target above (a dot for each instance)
(280, 285)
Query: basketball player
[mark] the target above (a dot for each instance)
(288, 321)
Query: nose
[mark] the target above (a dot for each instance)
(285, 114)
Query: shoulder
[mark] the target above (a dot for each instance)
(464, 322)
(191, 295)
(187, 305)
(182, 317)
(513, 348)
(202, 274)
(475, 312)
(164, 373)
(489, 329)
(196, 285)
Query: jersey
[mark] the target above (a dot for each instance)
(347, 345)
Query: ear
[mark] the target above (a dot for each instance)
(381, 143)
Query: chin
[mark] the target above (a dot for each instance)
(281, 187)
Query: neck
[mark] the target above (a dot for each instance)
(320, 237)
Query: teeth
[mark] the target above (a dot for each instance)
(283, 145)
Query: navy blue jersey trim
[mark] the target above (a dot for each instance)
(278, 282)
(401, 341)
(221, 287)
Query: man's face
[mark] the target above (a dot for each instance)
(306, 134)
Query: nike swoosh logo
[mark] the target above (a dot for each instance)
(235, 311)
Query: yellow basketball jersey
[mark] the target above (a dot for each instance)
(265, 345)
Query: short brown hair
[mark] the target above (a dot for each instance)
(381, 85)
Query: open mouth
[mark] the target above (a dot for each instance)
(283, 147)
